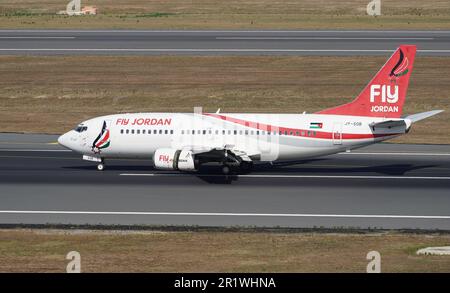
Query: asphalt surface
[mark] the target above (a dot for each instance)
(138, 42)
(383, 186)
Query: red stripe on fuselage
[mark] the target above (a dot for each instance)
(319, 134)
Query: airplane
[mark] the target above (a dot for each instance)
(236, 141)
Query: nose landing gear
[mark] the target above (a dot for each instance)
(100, 167)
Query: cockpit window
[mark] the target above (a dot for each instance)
(81, 128)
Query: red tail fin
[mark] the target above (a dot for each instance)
(385, 94)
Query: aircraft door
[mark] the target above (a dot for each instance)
(83, 138)
(337, 133)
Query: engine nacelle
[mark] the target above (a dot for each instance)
(171, 159)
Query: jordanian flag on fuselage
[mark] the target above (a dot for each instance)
(316, 125)
(102, 141)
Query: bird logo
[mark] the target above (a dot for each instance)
(102, 141)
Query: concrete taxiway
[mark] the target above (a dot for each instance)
(184, 42)
(382, 186)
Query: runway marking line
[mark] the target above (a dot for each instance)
(28, 150)
(227, 31)
(322, 38)
(223, 214)
(206, 50)
(342, 153)
(37, 37)
(288, 176)
(394, 154)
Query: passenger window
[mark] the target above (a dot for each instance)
(127, 131)
(166, 131)
(285, 132)
(290, 133)
(223, 132)
(182, 131)
(251, 132)
(309, 133)
(154, 131)
(240, 132)
(160, 131)
(138, 131)
(121, 131)
(143, 131)
(171, 131)
(132, 131)
(217, 132)
(246, 132)
(204, 132)
(257, 132)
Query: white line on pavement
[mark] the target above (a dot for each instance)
(290, 176)
(223, 214)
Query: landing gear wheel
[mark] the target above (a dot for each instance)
(225, 170)
(100, 167)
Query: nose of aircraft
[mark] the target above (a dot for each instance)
(64, 140)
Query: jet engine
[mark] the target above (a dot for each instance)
(172, 159)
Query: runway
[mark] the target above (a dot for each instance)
(384, 186)
(154, 42)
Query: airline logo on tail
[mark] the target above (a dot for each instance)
(401, 68)
(385, 94)
(389, 93)
(102, 141)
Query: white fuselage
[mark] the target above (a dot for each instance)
(263, 137)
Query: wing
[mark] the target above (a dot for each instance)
(225, 153)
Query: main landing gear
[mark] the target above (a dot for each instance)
(226, 170)
(242, 168)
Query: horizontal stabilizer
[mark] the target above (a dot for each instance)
(423, 115)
